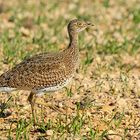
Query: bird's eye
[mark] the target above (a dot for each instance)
(79, 24)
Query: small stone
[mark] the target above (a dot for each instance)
(25, 31)
(60, 105)
(113, 135)
(49, 132)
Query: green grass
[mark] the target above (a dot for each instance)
(106, 3)
(136, 16)
(3, 108)
(21, 130)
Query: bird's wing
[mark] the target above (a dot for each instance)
(36, 72)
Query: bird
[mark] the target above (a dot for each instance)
(46, 72)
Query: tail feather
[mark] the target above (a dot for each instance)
(4, 80)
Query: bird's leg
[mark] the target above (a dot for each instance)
(32, 99)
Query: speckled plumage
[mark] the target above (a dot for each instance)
(48, 71)
(40, 71)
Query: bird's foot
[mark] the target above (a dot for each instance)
(53, 107)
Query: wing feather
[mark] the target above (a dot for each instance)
(36, 72)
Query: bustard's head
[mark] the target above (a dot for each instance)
(78, 25)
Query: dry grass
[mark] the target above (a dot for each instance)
(103, 101)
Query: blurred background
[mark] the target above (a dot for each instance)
(38, 26)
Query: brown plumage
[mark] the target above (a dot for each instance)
(40, 71)
(48, 71)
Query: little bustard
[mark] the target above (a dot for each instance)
(46, 72)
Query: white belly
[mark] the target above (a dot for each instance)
(53, 88)
(7, 89)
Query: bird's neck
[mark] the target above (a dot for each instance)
(73, 39)
(73, 44)
(73, 51)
